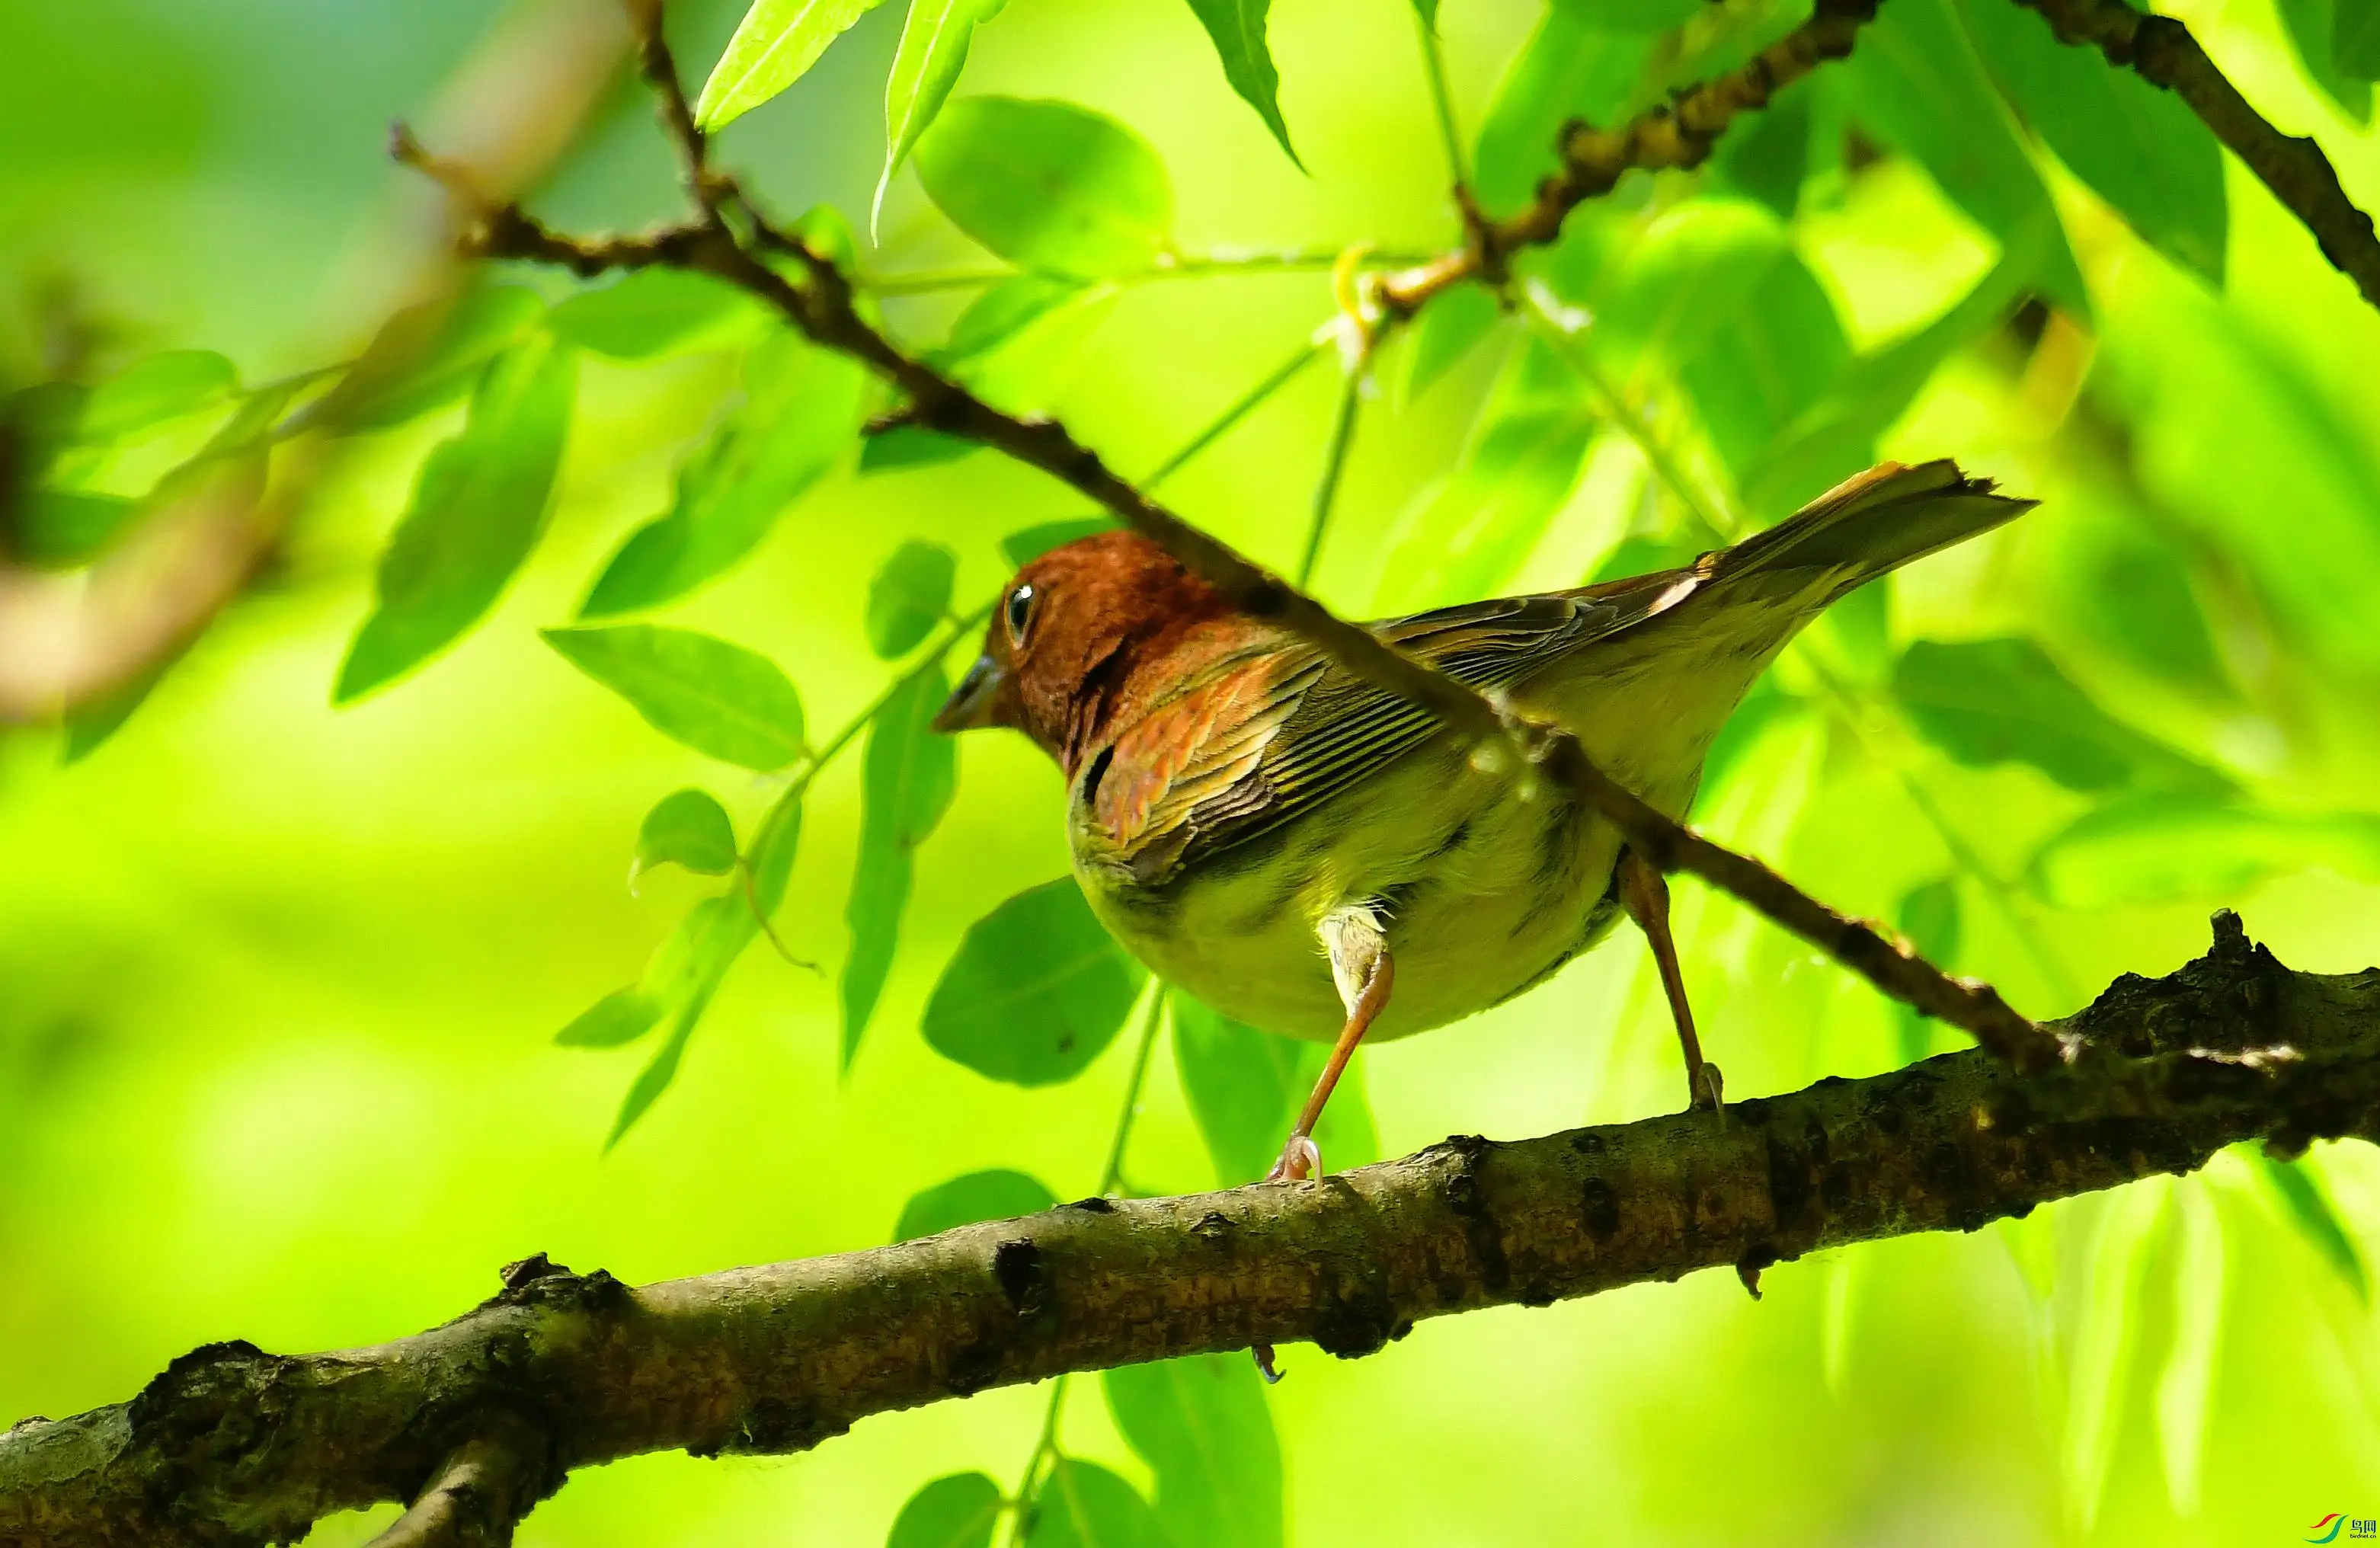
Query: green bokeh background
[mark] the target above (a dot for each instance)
(277, 983)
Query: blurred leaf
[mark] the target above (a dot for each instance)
(89, 724)
(1037, 991)
(802, 409)
(2355, 39)
(773, 45)
(1468, 531)
(912, 446)
(1081, 1505)
(426, 357)
(1450, 325)
(1030, 543)
(65, 530)
(1202, 1426)
(2313, 26)
(2160, 849)
(688, 968)
(1928, 915)
(1018, 342)
(719, 699)
(2106, 1334)
(477, 512)
(1237, 28)
(908, 596)
(1765, 156)
(2309, 1209)
(1246, 1088)
(686, 828)
(1049, 185)
(621, 1016)
(1002, 310)
(2128, 592)
(1916, 80)
(1571, 68)
(40, 422)
(933, 50)
(2138, 146)
(1764, 706)
(2185, 1389)
(959, 1511)
(998, 1194)
(911, 774)
(1995, 701)
(148, 392)
(647, 313)
(1642, 553)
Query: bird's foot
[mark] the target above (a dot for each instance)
(1704, 1085)
(1264, 1367)
(1300, 1159)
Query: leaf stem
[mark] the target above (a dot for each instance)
(1334, 464)
(1434, 67)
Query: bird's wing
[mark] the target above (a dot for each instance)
(1264, 739)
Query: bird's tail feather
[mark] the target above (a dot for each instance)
(1869, 525)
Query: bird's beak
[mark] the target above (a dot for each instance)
(974, 701)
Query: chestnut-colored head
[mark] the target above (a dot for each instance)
(1069, 637)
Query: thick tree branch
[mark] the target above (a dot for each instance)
(564, 1371)
(2301, 177)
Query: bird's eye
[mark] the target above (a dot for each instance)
(1019, 612)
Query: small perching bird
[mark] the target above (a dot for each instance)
(1317, 856)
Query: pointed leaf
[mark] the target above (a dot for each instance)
(802, 410)
(1049, 185)
(1766, 155)
(1037, 991)
(1237, 28)
(1246, 1088)
(2160, 849)
(477, 512)
(959, 1511)
(1023, 546)
(2309, 1209)
(933, 50)
(150, 392)
(2313, 26)
(775, 43)
(1571, 68)
(426, 357)
(2355, 39)
(998, 1194)
(1202, 1426)
(2185, 1389)
(910, 775)
(687, 827)
(719, 699)
(908, 596)
(647, 313)
(1450, 325)
(1081, 1505)
(621, 1016)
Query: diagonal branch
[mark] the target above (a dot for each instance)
(2163, 51)
(232, 1445)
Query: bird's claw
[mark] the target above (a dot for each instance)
(1706, 1085)
(1300, 1159)
(1264, 1367)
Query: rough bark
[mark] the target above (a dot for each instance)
(560, 1370)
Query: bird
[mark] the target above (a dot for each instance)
(1316, 855)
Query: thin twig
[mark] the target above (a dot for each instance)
(1168, 266)
(1334, 464)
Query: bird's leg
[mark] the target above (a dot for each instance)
(1645, 893)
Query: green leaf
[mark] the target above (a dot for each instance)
(621, 1016)
(1995, 701)
(1450, 325)
(999, 313)
(1048, 185)
(2309, 1209)
(1028, 544)
(1571, 68)
(2161, 849)
(908, 596)
(959, 1511)
(688, 968)
(1246, 1088)
(912, 446)
(773, 45)
(802, 409)
(647, 313)
(1202, 1426)
(1017, 343)
(1765, 156)
(686, 828)
(2107, 1337)
(66, 529)
(719, 699)
(477, 512)
(2137, 145)
(426, 357)
(1928, 915)
(148, 392)
(933, 50)
(90, 723)
(911, 773)
(1081, 1505)
(2355, 39)
(1237, 28)
(1037, 991)
(2313, 26)
(998, 1194)
(2185, 1387)
(1916, 81)
(2128, 590)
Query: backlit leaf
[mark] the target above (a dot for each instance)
(1023, 546)
(932, 51)
(621, 1016)
(426, 357)
(998, 1194)
(1049, 185)
(1202, 1426)
(719, 699)
(2355, 39)
(1928, 915)
(908, 596)
(1571, 68)
(773, 45)
(1037, 991)
(911, 773)
(1237, 28)
(912, 446)
(1766, 155)
(148, 392)
(2106, 1337)
(1246, 1088)
(1081, 1505)
(647, 313)
(65, 530)
(2185, 1387)
(2310, 1210)
(478, 509)
(1450, 325)
(2313, 26)
(959, 1511)
(686, 828)
(2162, 849)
